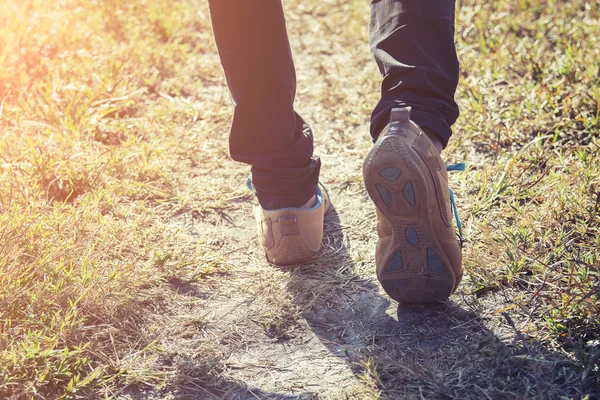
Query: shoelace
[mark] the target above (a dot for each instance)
(456, 167)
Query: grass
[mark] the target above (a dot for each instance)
(89, 153)
(533, 201)
(113, 120)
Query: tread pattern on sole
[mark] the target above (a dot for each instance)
(404, 270)
(391, 284)
(437, 284)
(385, 194)
(395, 263)
(390, 174)
(409, 193)
(411, 236)
(434, 264)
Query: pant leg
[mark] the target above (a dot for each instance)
(266, 132)
(413, 44)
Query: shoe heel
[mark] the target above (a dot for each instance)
(293, 250)
(411, 265)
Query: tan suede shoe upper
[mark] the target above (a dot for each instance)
(292, 235)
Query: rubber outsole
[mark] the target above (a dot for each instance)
(413, 268)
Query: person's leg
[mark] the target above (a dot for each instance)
(413, 44)
(266, 132)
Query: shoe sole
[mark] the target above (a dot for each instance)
(414, 268)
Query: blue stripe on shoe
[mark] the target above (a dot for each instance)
(456, 167)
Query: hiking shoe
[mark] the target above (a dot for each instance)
(292, 235)
(418, 256)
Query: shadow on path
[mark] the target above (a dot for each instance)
(440, 351)
(363, 345)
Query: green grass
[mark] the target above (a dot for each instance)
(101, 124)
(88, 151)
(532, 99)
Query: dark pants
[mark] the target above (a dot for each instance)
(413, 44)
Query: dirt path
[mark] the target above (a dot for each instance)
(249, 330)
(326, 330)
